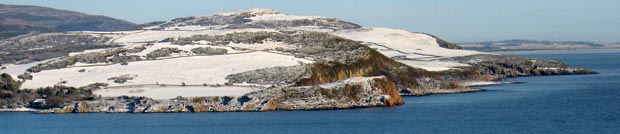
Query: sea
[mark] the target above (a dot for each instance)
(537, 105)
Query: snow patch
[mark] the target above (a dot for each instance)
(16, 70)
(403, 41)
(194, 70)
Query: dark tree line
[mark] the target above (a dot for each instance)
(11, 96)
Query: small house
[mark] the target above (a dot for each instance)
(38, 103)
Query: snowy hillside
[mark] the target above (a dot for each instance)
(168, 53)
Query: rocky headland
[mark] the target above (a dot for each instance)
(250, 60)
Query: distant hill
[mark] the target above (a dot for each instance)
(15, 30)
(520, 45)
(18, 19)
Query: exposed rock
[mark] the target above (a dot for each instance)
(350, 93)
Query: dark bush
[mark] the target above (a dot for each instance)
(209, 51)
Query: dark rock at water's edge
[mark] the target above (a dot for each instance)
(356, 93)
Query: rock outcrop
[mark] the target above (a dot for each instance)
(355, 92)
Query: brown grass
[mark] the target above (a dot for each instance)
(389, 88)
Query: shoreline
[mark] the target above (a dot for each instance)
(557, 50)
(236, 103)
(470, 87)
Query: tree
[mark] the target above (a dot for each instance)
(7, 83)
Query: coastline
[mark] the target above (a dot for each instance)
(385, 98)
(383, 91)
(557, 51)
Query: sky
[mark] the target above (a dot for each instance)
(452, 20)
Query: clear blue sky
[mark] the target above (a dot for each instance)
(453, 20)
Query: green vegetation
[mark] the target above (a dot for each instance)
(61, 20)
(8, 31)
(122, 79)
(46, 46)
(13, 97)
(209, 51)
(162, 52)
(117, 55)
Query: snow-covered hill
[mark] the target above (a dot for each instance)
(413, 49)
(249, 51)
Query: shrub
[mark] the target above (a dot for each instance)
(162, 52)
(209, 51)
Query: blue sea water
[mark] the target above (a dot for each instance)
(542, 104)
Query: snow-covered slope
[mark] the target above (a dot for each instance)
(404, 42)
(195, 70)
(413, 49)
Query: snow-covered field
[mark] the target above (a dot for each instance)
(403, 41)
(16, 70)
(194, 70)
(421, 48)
(169, 92)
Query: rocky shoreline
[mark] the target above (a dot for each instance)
(358, 92)
(343, 87)
(361, 92)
